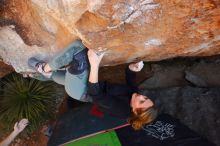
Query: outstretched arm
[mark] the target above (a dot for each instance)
(94, 60)
(94, 86)
(131, 73)
(18, 127)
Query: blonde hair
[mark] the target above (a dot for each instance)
(142, 117)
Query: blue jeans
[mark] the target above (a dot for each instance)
(75, 85)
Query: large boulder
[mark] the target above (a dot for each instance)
(132, 30)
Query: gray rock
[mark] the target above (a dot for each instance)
(194, 79)
(204, 74)
(168, 75)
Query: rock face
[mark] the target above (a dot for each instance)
(5, 69)
(131, 29)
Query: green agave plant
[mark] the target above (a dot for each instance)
(26, 98)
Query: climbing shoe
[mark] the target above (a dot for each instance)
(38, 65)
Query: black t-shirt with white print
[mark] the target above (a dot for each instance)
(164, 131)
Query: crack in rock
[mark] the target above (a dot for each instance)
(128, 12)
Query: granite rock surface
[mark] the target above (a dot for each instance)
(132, 30)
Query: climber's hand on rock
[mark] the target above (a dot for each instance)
(136, 67)
(95, 57)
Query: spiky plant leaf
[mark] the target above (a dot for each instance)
(26, 98)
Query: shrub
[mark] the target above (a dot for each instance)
(26, 98)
